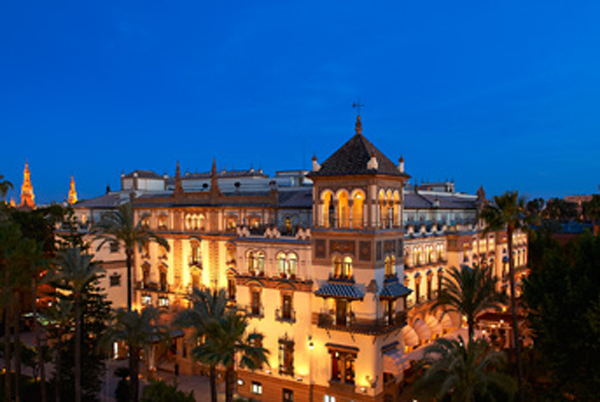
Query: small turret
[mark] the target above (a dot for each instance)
(27, 196)
(401, 164)
(315, 165)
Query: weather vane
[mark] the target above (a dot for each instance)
(358, 106)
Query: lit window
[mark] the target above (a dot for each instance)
(163, 301)
(288, 395)
(328, 398)
(286, 357)
(146, 300)
(256, 388)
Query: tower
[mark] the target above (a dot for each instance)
(27, 196)
(72, 192)
(358, 249)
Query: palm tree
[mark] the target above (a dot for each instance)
(5, 186)
(119, 227)
(463, 372)
(137, 330)
(74, 272)
(469, 292)
(205, 306)
(224, 341)
(60, 315)
(509, 212)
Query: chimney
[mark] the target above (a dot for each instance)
(401, 164)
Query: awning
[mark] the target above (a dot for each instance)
(395, 362)
(393, 290)
(340, 290)
(422, 329)
(434, 325)
(447, 322)
(409, 336)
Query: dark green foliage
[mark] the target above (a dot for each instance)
(160, 391)
(591, 209)
(454, 370)
(95, 309)
(560, 210)
(563, 297)
(123, 391)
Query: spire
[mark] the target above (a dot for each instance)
(27, 196)
(178, 185)
(72, 192)
(214, 182)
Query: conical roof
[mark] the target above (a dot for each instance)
(352, 159)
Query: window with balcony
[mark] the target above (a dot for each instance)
(145, 275)
(343, 366)
(286, 357)
(286, 313)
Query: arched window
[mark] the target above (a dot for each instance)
(231, 223)
(388, 263)
(231, 254)
(337, 267)
(343, 210)
(260, 263)
(281, 263)
(292, 264)
(347, 268)
(396, 209)
(358, 202)
(145, 275)
(382, 209)
(327, 211)
(251, 261)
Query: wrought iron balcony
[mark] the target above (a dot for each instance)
(349, 323)
(285, 315)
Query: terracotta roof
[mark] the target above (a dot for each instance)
(352, 159)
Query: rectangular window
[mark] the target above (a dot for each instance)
(286, 307)
(288, 395)
(114, 247)
(115, 280)
(256, 388)
(256, 308)
(286, 357)
(343, 366)
(146, 300)
(328, 398)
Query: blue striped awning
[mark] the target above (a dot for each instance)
(340, 290)
(393, 290)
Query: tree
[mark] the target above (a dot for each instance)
(75, 272)
(160, 391)
(224, 341)
(138, 331)
(463, 372)
(469, 292)
(119, 228)
(205, 306)
(508, 212)
(560, 210)
(562, 296)
(5, 186)
(221, 332)
(60, 316)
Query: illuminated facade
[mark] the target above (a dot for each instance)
(72, 192)
(337, 267)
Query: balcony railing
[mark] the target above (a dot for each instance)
(285, 315)
(349, 323)
(255, 311)
(154, 286)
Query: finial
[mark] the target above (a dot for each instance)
(358, 106)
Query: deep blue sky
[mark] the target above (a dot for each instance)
(504, 94)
